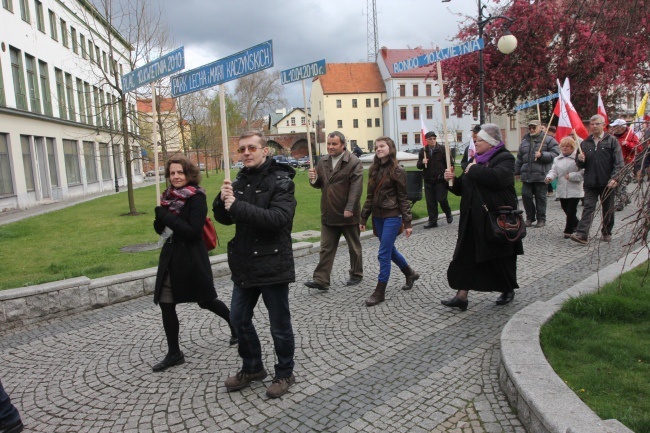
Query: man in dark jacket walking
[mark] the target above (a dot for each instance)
(261, 203)
(602, 159)
(339, 176)
(432, 160)
(534, 160)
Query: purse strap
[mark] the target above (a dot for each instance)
(480, 197)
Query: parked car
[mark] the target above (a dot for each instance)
(292, 161)
(281, 159)
(304, 162)
(238, 166)
(201, 166)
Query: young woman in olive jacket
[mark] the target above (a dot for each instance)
(184, 271)
(387, 201)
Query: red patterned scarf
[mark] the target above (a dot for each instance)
(174, 198)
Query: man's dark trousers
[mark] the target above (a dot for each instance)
(434, 193)
(592, 195)
(533, 194)
(329, 243)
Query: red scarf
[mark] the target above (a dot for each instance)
(174, 198)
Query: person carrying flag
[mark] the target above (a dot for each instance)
(432, 160)
(629, 147)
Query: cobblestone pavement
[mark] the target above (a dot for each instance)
(407, 365)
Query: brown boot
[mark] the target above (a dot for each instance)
(411, 276)
(377, 296)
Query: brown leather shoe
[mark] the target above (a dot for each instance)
(242, 380)
(280, 386)
(579, 239)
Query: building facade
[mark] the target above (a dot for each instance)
(292, 123)
(60, 122)
(349, 98)
(413, 97)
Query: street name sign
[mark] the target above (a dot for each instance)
(229, 68)
(302, 72)
(166, 65)
(436, 56)
(537, 101)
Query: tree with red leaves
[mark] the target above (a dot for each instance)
(601, 45)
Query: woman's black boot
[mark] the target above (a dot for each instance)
(456, 303)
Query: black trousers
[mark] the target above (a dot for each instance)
(570, 208)
(436, 193)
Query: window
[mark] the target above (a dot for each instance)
(71, 156)
(302, 120)
(513, 122)
(98, 56)
(338, 103)
(355, 123)
(405, 139)
(104, 110)
(417, 138)
(105, 62)
(353, 143)
(377, 122)
(73, 37)
(288, 122)
(98, 112)
(402, 113)
(416, 112)
(339, 124)
(40, 19)
(376, 102)
(82, 43)
(6, 184)
(91, 51)
(416, 90)
(3, 100)
(105, 161)
(368, 103)
(18, 77)
(53, 25)
(69, 92)
(89, 160)
(459, 136)
(32, 84)
(111, 103)
(89, 105)
(64, 33)
(116, 125)
(447, 111)
(427, 89)
(60, 93)
(10, 7)
(370, 143)
(402, 89)
(27, 162)
(429, 112)
(51, 160)
(369, 123)
(354, 103)
(81, 101)
(45, 88)
(293, 121)
(24, 12)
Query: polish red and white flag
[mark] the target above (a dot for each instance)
(601, 109)
(567, 116)
(424, 132)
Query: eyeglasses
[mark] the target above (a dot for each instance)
(250, 148)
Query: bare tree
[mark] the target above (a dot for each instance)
(258, 93)
(140, 26)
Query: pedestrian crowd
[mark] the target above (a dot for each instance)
(261, 203)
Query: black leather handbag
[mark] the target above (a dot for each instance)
(503, 225)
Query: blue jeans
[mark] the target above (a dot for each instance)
(8, 413)
(387, 230)
(276, 299)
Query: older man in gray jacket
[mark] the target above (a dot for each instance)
(534, 160)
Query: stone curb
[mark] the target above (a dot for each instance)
(28, 305)
(544, 403)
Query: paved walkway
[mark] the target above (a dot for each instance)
(407, 365)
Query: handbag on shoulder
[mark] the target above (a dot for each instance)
(210, 238)
(503, 225)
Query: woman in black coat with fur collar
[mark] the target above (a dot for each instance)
(184, 271)
(478, 264)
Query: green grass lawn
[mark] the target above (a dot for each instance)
(599, 344)
(85, 239)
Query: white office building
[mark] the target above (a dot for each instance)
(60, 122)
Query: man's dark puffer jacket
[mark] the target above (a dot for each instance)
(261, 252)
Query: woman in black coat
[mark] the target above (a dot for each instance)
(184, 271)
(478, 264)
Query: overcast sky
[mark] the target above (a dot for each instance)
(304, 31)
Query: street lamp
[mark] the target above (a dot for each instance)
(506, 44)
